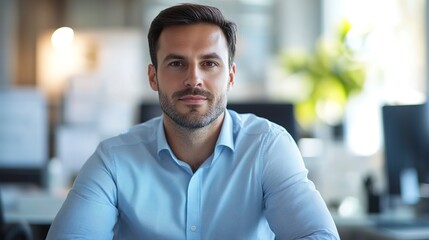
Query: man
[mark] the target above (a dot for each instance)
(198, 171)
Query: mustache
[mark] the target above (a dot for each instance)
(192, 91)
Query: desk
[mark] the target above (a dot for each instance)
(39, 207)
(34, 206)
(383, 227)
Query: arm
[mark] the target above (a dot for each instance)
(89, 211)
(293, 207)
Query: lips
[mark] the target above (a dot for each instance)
(192, 95)
(193, 99)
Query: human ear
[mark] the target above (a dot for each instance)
(151, 72)
(231, 76)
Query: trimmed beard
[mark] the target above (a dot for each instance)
(216, 106)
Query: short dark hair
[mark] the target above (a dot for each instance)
(187, 13)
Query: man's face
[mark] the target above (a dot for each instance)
(193, 75)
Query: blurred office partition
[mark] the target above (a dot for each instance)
(23, 135)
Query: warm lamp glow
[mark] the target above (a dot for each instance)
(62, 37)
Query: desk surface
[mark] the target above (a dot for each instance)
(34, 206)
(393, 227)
(41, 207)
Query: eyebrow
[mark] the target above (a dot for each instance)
(174, 56)
(211, 56)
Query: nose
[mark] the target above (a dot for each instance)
(194, 76)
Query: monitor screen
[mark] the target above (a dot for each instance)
(405, 144)
(23, 135)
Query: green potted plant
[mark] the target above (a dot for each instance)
(331, 74)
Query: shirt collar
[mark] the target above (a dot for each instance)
(226, 136)
(161, 139)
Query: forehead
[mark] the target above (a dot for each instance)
(185, 39)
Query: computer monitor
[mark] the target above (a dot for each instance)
(23, 136)
(406, 142)
(280, 113)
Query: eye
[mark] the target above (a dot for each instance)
(176, 64)
(210, 64)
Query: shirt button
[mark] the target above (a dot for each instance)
(193, 228)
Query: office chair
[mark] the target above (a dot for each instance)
(16, 231)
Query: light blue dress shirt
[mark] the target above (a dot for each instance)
(253, 186)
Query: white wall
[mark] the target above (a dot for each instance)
(298, 23)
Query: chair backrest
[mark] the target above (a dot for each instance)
(280, 113)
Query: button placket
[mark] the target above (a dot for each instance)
(193, 208)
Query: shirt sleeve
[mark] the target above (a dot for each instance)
(293, 207)
(89, 211)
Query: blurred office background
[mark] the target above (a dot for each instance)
(73, 72)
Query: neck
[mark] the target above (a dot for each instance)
(192, 146)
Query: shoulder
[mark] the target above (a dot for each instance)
(248, 123)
